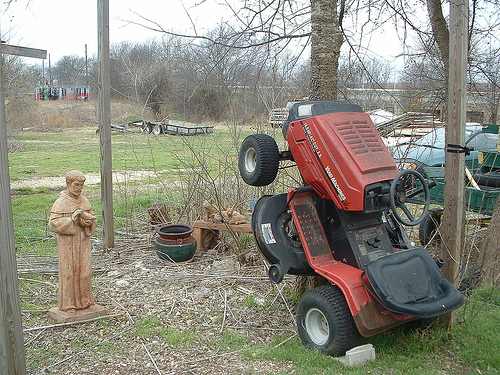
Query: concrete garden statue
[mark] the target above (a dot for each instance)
(72, 218)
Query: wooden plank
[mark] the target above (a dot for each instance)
(105, 124)
(454, 197)
(202, 227)
(243, 228)
(12, 354)
(8, 49)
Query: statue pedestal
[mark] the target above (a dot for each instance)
(90, 312)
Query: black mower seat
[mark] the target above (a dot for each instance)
(409, 282)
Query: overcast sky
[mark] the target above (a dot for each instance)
(63, 27)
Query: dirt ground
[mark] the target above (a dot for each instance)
(191, 318)
(92, 178)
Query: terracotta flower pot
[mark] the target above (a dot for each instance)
(175, 243)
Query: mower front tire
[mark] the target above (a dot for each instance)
(258, 160)
(325, 322)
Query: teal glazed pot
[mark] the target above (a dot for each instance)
(175, 243)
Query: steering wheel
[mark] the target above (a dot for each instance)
(399, 197)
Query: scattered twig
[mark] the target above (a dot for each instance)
(34, 338)
(142, 336)
(131, 320)
(204, 359)
(88, 349)
(282, 297)
(225, 309)
(194, 303)
(150, 357)
(38, 281)
(172, 309)
(72, 323)
(286, 340)
(252, 327)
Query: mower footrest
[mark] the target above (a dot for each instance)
(409, 282)
(311, 232)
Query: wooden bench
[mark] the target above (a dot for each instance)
(205, 230)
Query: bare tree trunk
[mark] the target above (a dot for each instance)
(489, 257)
(441, 36)
(326, 40)
(440, 31)
(495, 101)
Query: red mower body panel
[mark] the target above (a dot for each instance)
(339, 155)
(370, 317)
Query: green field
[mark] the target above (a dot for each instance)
(183, 171)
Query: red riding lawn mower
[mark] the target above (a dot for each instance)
(345, 224)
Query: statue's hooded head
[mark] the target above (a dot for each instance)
(74, 175)
(75, 181)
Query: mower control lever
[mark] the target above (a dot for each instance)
(301, 189)
(373, 243)
(430, 185)
(286, 155)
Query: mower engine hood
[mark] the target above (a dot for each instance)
(341, 155)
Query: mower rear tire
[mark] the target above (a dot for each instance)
(259, 158)
(428, 227)
(325, 322)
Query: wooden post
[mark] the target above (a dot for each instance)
(12, 354)
(12, 357)
(454, 202)
(105, 124)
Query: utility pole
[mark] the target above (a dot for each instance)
(103, 85)
(86, 67)
(454, 195)
(12, 354)
(50, 73)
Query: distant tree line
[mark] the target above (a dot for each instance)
(197, 81)
(229, 76)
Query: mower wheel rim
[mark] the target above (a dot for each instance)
(250, 160)
(317, 326)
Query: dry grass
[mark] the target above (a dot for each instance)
(193, 318)
(50, 115)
